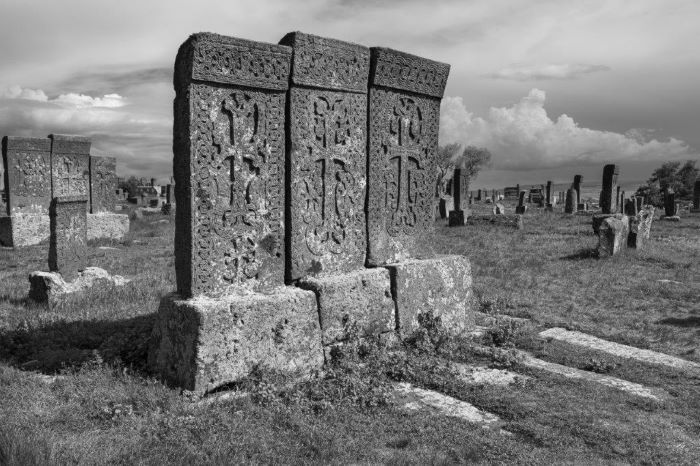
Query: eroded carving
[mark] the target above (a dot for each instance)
(68, 240)
(27, 174)
(103, 184)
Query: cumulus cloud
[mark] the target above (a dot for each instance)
(523, 136)
(550, 71)
(70, 100)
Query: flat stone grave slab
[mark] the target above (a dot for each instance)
(624, 351)
(606, 380)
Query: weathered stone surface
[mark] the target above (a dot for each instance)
(442, 285)
(229, 164)
(578, 179)
(479, 375)
(670, 206)
(107, 225)
(327, 131)
(460, 188)
(570, 206)
(170, 194)
(68, 240)
(597, 220)
(70, 166)
(696, 196)
(640, 228)
(506, 220)
(103, 184)
(520, 209)
(404, 113)
(360, 299)
(24, 229)
(608, 197)
(27, 174)
(617, 349)
(51, 287)
(612, 235)
(200, 344)
(457, 218)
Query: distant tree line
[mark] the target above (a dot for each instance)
(469, 159)
(672, 176)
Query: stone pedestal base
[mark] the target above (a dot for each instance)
(107, 225)
(200, 344)
(50, 286)
(24, 229)
(456, 218)
(360, 299)
(508, 220)
(521, 209)
(442, 285)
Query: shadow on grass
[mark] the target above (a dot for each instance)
(585, 253)
(64, 345)
(692, 321)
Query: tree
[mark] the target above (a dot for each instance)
(130, 185)
(685, 178)
(444, 167)
(470, 160)
(672, 176)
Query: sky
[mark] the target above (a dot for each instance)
(551, 88)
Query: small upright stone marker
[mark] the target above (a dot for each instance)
(670, 206)
(608, 197)
(570, 206)
(68, 241)
(578, 179)
(521, 207)
(696, 197)
(457, 215)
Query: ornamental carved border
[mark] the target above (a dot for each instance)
(27, 163)
(399, 70)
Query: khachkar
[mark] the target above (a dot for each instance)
(103, 222)
(68, 243)
(27, 173)
(609, 196)
(404, 114)
(70, 165)
(327, 180)
(232, 310)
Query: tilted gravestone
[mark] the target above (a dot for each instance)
(27, 181)
(327, 159)
(103, 184)
(70, 165)
(404, 111)
(608, 196)
(68, 240)
(229, 165)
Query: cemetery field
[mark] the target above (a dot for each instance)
(74, 386)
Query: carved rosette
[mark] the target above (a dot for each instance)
(229, 165)
(327, 167)
(404, 114)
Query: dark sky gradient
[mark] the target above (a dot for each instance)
(552, 88)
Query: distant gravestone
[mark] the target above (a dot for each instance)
(630, 207)
(327, 132)
(103, 184)
(457, 214)
(548, 197)
(570, 205)
(27, 166)
(68, 240)
(70, 166)
(613, 235)
(170, 194)
(696, 196)
(404, 113)
(478, 195)
(521, 207)
(670, 206)
(578, 179)
(608, 196)
(229, 147)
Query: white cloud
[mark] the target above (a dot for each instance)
(550, 71)
(523, 136)
(70, 100)
(17, 92)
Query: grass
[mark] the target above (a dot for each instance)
(105, 408)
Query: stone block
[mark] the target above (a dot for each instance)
(27, 172)
(68, 235)
(520, 209)
(103, 184)
(200, 344)
(609, 197)
(457, 218)
(50, 287)
(404, 113)
(107, 225)
(612, 235)
(24, 229)
(327, 132)
(506, 220)
(361, 299)
(70, 166)
(442, 285)
(229, 158)
(597, 220)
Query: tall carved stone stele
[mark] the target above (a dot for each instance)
(608, 197)
(229, 165)
(70, 165)
(68, 240)
(327, 140)
(404, 113)
(103, 184)
(27, 181)
(232, 311)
